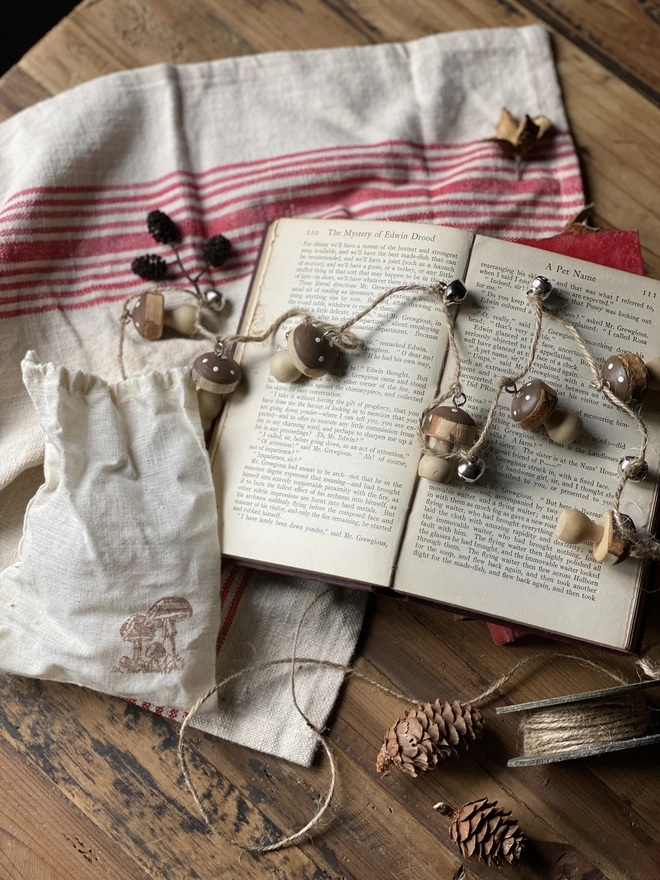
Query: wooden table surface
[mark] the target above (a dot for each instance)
(90, 785)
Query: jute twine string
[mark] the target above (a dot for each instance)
(573, 726)
(555, 729)
(320, 735)
(642, 546)
(339, 335)
(455, 388)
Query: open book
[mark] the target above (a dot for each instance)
(320, 477)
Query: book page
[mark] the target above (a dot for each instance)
(491, 546)
(318, 475)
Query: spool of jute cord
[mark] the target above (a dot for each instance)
(583, 724)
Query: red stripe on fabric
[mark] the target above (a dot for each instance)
(465, 167)
(295, 156)
(191, 247)
(510, 210)
(233, 608)
(472, 163)
(22, 251)
(403, 184)
(229, 582)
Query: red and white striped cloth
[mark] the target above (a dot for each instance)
(395, 131)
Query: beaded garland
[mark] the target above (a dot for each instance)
(449, 437)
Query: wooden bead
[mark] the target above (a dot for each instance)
(182, 319)
(533, 404)
(575, 527)
(210, 405)
(536, 404)
(563, 425)
(446, 427)
(282, 367)
(215, 373)
(147, 315)
(436, 469)
(311, 352)
(450, 423)
(653, 370)
(627, 376)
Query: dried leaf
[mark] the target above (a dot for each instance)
(518, 140)
(579, 224)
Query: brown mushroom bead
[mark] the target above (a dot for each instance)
(148, 314)
(182, 319)
(214, 375)
(535, 404)
(627, 376)
(609, 546)
(311, 352)
(446, 426)
(308, 353)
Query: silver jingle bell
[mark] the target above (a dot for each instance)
(636, 472)
(541, 287)
(215, 300)
(470, 470)
(455, 293)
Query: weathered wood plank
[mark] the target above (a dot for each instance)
(17, 91)
(622, 36)
(116, 763)
(574, 802)
(43, 836)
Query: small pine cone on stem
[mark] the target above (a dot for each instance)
(162, 228)
(427, 735)
(151, 267)
(482, 830)
(216, 250)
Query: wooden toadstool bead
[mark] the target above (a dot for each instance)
(308, 353)
(575, 527)
(446, 426)
(150, 316)
(214, 376)
(536, 404)
(629, 378)
(182, 319)
(147, 315)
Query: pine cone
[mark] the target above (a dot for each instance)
(162, 228)
(428, 735)
(483, 831)
(149, 266)
(216, 250)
